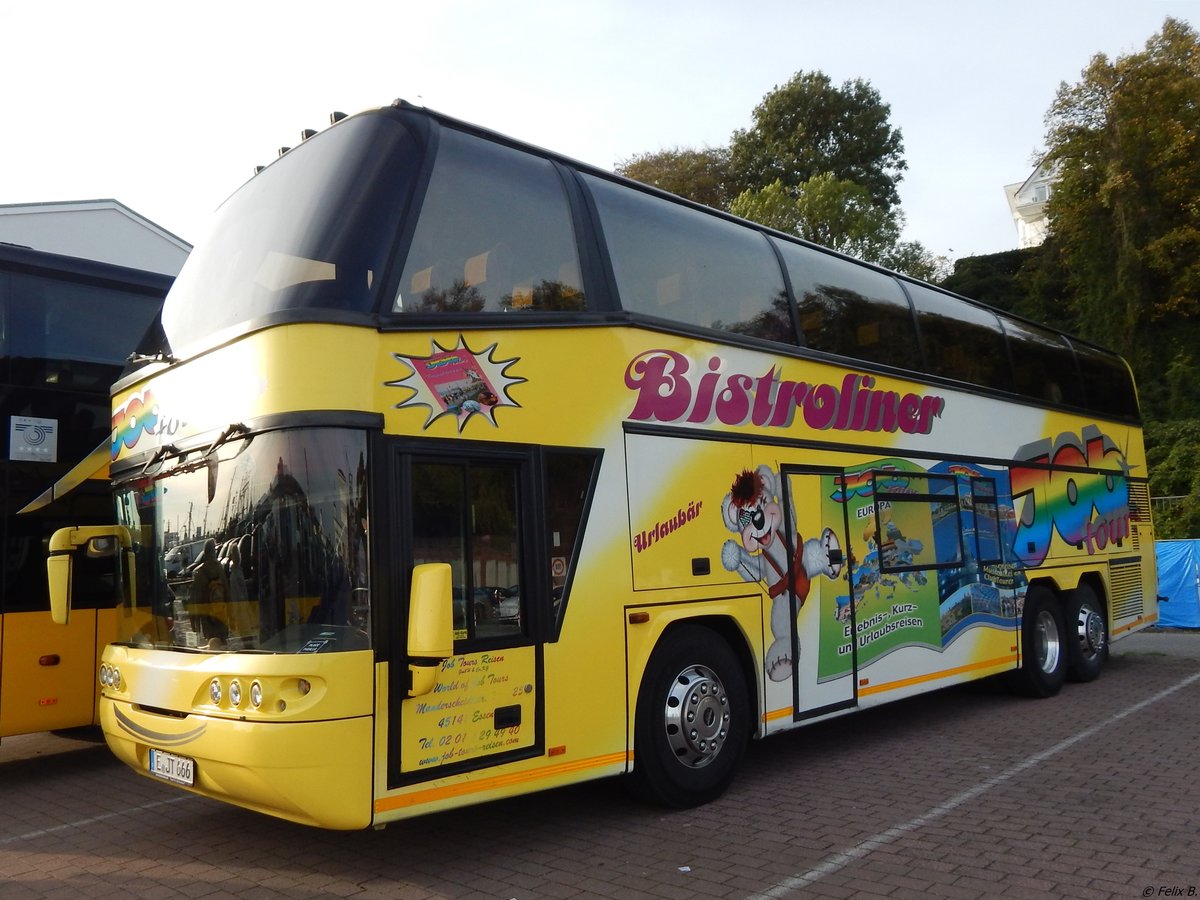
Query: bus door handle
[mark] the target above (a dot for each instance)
(50, 659)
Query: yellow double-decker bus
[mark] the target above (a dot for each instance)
(467, 470)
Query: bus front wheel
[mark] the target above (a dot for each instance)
(1087, 635)
(691, 721)
(1043, 646)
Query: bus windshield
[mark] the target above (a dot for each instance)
(257, 545)
(311, 231)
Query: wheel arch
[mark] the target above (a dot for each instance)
(1061, 587)
(682, 754)
(1095, 581)
(733, 634)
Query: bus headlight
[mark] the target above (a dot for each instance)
(235, 693)
(256, 695)
(214, 692)
(104, 674)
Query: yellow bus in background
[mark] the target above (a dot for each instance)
(503, 473)
(66, 328)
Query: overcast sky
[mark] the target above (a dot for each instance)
(167, 107)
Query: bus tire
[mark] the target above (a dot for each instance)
(1087, 634)
(692, 719)
(1043, 646)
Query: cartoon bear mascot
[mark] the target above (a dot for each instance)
(753, 512)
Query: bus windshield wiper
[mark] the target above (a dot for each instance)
(168, 451)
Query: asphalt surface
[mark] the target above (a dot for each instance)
(964, 793)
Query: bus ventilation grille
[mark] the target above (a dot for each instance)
(1128, 600)
(1139, 501)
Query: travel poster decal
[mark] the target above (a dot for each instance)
(457, 382)
(925, 559)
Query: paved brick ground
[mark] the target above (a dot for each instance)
(966, 794)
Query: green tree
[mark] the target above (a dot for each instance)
(992, 278)
(1030, 282)
(699, 175)
(821, 162)
(1173, 456)
(809, 127)
(1125, 211)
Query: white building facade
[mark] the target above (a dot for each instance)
(101, 230)
(1027, 203)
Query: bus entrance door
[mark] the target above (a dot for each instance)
(821, 613)
(473, 512)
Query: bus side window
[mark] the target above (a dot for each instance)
(570, 476)
(985, 513)
(681, 264)
(1043, 365)
(1107, 382)
(850, 309)
(961, 340)
(494, 235)
(467, 514)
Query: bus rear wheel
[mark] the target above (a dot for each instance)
(1043, 646)
(1087, 635)
(691, 721)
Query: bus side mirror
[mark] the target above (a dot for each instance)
(430, 625)
(58, 571)
(99, 542)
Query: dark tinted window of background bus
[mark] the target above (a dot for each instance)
(960, 340)
(67, 335)
(1043, 364)
(850, 309)
(27, 537)
(678, 263)
(1107, 384)
(494, 235)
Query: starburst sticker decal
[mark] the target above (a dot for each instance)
(457, 382)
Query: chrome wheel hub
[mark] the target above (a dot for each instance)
(696, 716)
(1048, 645)
(1090, 631)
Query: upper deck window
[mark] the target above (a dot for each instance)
(1043, 365)
(494, 235)
(961, 341)
(851, 310)
(1107, 383)
(678, 263)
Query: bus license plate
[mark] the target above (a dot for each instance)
(168, 766)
